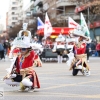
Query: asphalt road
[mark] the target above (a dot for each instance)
(57, 83)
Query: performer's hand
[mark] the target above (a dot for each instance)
(14, 69)
(82, 46)
(6, 77)
(76, 65)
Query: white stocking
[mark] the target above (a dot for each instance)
(61, 58)
(27, 82)
(58, 58)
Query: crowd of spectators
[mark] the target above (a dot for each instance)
(4, 48)
(92, 49)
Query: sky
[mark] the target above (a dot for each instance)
(4, 5)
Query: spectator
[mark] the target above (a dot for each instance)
(35, 39)
(87, 51)
(6, 46)
(98, 48)
(93, 47)
(1, 51)
(48, 43)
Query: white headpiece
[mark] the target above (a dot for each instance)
(77, 32)
(37, 46)
(22, 42)
(60, 38)
(24, 33)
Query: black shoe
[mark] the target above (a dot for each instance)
(30, 89)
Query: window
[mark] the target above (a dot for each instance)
(14, 18)
(13, 2)
(13, 23)
(14, 8)
(13, 13)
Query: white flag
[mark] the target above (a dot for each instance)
(84, 26)
(47, 27)
(73, 24)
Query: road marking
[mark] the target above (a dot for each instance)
(44, 94)
(64, 85)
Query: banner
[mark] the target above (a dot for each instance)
(73, 24)
(84, 26)
(47, 27)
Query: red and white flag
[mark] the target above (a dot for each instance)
(47, 27)
(73, 24)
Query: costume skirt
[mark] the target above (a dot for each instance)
(60, 51)
(18, 78)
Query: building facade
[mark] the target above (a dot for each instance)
(13, 13)
(27, 11)
(18, 10)
(61, 10)
(57, 9)
(93, 18)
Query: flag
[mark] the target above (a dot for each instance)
(84, 26)
(47, 27)
(73, 24)
(40, 24)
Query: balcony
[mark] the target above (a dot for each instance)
(20, 18)
(61, 3)
(31, 21)
(66, 15)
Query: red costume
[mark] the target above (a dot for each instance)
(25, 67)
(81, 49)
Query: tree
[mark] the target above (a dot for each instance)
(14, 30)
(92, 10)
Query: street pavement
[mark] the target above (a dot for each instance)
(57, 83)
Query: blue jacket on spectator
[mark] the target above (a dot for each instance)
(88, 45)
(1, 47)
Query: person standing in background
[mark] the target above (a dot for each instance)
(93, 47)
(6, 46)
(1, 51)
(87, 51)
(35, 39)
(98, 48)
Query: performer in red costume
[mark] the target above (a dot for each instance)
(22, 72)
(80, 63)
(78, 59)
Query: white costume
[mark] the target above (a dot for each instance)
(59, 47)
